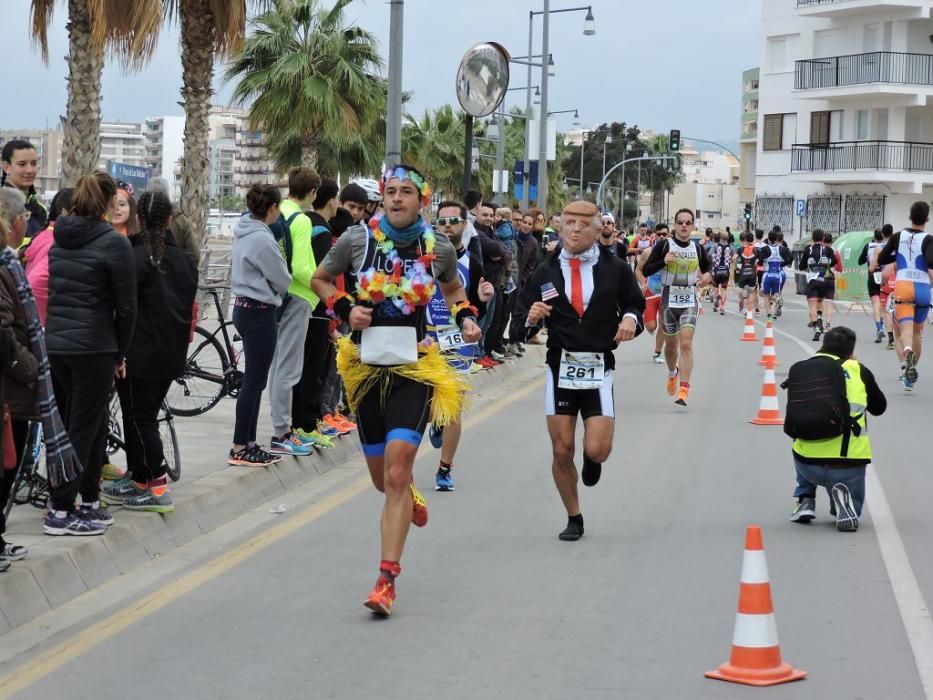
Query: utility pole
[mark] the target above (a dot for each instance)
(394, 97)
(526, 174)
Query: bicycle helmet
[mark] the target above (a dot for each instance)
(371, 187)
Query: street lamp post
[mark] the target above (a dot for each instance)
(606, 141)
(394, 96)
(589, 29)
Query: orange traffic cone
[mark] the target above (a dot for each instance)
(749, 335)
(769, 412)
(768, 353)
(756, 653)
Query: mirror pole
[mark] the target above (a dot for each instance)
(394, 97)
(467, 155)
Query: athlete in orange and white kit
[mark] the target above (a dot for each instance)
(652, 287)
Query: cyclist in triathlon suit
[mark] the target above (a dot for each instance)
(911, 251)
(884, 276)
(746, 273)
(721, 259)
(759, 268)
(867, 258)
(451, 222)
(652, 287)
(816, 261)
(590, 302)
(774, 257)
(783, 243)
(395, 383)
(828, 305)
(640, 243)
(684, 267)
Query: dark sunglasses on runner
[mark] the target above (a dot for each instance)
(449, 220)
(684, 223)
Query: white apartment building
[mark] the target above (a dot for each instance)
(121, 142)
(748, 137)
(845, 129)
(165, 148)
(710, 189)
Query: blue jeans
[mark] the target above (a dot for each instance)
(810, 476)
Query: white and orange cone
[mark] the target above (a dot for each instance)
(769, 411)
(749, 335)
(768, 351)
(756, 653)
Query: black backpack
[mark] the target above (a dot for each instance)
(817, 403)
(281, 229)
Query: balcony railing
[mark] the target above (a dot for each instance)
(864, 69)
(862, 155)
(812, 3)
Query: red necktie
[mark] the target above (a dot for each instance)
(576, 286)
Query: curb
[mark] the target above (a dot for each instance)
(60, 569)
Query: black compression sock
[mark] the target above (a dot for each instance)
(575, 519)
(591, 471)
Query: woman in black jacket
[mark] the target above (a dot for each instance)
(91, 314)
(166, 284)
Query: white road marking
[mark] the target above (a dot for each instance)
(915, 615)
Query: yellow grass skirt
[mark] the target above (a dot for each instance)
(447, 399)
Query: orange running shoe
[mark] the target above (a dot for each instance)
(419, 508)
(672, 383)
(682, 395)
(332, 422)
(344, 421)
(382, 596)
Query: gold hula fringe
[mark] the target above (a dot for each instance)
(450, 387)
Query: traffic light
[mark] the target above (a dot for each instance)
(674, 141)
(748, 217)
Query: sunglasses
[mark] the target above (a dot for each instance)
(449, 221)
(684, 223)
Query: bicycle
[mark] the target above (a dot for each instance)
(212, 370)
(32, 485)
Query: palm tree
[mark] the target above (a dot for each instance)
(309, 80)
(209, 29)
(93, 28)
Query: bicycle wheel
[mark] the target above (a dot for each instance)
(170, 448)
(203, 383)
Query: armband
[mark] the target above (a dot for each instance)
(339, 305)
(462, 311)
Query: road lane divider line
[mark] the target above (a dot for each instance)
(24, 675)
(913, 609)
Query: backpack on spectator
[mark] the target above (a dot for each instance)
(817, 403)
(281, 230)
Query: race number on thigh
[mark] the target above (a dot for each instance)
(681, 297)
(581, 370)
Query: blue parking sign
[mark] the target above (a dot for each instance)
(801, 207)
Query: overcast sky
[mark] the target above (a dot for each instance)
(660, 64)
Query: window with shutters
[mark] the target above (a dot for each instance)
(774, 132)
(819, 127)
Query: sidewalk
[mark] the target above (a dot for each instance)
(209, 494)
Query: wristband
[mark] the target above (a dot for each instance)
(462, 311)
(339, 305)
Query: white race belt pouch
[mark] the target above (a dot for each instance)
(681, 297)
(581, 370)
(388, 345)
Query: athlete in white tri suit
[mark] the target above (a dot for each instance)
(774, 258)
(684, 267)
(912, 252)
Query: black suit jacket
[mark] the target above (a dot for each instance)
(615, 293)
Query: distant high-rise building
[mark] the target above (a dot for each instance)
(748, 139)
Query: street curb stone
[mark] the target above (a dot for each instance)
(60, 569)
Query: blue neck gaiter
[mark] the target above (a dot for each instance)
(402, 237)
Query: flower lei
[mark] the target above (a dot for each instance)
(406, 292)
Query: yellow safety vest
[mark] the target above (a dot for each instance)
(829, 451)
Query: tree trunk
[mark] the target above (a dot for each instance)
(309, 152)
(81, 127)
(197, 61)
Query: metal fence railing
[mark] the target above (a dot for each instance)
(901, 156)
(864, 69)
